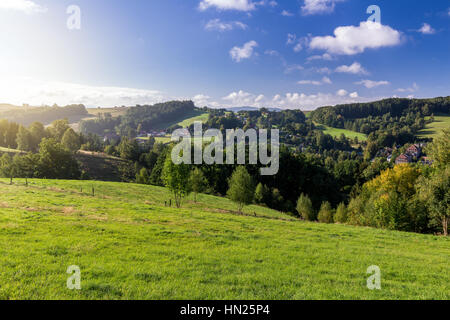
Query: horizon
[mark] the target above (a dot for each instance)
(227, 108)
(221, 53)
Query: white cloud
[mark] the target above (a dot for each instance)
(426, 29)
(314, 83)
(238, 54)
(286, 13)
(291, 38)
(414, 88)
(37, 92)
(323, 70)
(298, 44)
(26, 6)
(239, 5)
(242, 98)
(351, 40)
(372, 84)
(305, 102)
(325, 56)
(312, 7)
(273, 53)
(342, 93)
(292, 68)
(355, 68)
(325, 80)
(218, 25)
(292, 100)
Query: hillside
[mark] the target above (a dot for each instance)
(335, 132)
(129, 245)
(432, 130)
(100, 166)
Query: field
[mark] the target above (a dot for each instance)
(129, 245)
(115, 112)
(432, 130)
(202, 117)
(335, 132)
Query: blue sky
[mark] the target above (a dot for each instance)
(221, 53)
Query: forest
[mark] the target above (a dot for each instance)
(138, 118)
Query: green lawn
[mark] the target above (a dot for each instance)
(432, 130)
(335, 132)
(129, 245)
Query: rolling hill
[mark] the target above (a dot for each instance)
(130, 245)
(432, 130)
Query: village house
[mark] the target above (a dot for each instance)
(403, 158)
(414, 151)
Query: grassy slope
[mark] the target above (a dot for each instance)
(432, 130)
(186, 118)
(101, 166)
(129, 245)
(203, 117)
(335, 132)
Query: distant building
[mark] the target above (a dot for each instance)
(403, 158)
(415, 151)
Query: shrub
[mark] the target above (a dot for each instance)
(325, 213)
(341, 214)
(305, 208)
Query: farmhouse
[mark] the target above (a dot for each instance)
(403, 158)
(414, 151)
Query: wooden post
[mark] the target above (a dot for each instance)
(93, 192)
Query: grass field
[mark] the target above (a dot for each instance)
(203, 117)
(432, 130)
(129, 245)
(335, 132)
(185, 121)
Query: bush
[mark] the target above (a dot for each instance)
(262, 194)
(241, 189)
(325, 213)
(305, 208)
(341, 214)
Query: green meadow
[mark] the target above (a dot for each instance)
(432, 130)
(335, 132)
(130, 245)
(201, 117)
